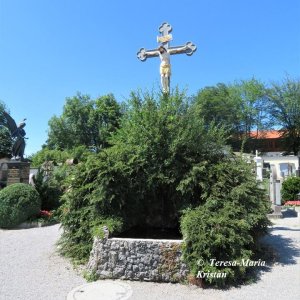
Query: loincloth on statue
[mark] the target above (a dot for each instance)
(165, 69)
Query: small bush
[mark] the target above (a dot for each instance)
(18, 202)
(290, 189)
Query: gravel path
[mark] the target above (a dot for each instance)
(30, 269)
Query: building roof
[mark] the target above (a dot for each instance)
(266, 134)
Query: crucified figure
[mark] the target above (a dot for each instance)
(165, 65)
(164, 52)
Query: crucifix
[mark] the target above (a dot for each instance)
(164, 51)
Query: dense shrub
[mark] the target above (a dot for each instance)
(18, 202)
(290, 188)
(136, 181)
(228, 225)
(57, 157)
(49, 188)
(165, 160)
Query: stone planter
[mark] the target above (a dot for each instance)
(138, 259)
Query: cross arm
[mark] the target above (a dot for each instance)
(143, 54)
(189, 48)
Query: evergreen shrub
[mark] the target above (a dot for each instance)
(166, 167)
(18, 202)
(290, 189)
(136, 181)
(227, 227)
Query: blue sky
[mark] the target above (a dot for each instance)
(51, 49)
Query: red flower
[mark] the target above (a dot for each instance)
(292, 202)
(45, 213)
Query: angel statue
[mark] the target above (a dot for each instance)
(17, 133)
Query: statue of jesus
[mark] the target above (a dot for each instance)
(164, 52)
(165, 66)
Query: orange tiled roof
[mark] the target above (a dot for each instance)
(266, 134)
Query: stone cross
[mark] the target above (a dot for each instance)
(164, 51)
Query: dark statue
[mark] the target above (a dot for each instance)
(17, 133)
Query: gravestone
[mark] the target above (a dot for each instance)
(3, 171)
(17, 172)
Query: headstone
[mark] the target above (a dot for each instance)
(3, 172)
(259, 168)
(17, 172)
(278, 192)
(273, 177)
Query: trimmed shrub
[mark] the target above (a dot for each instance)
(18, 202)
(290, 189)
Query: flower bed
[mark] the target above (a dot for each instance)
(292, 203)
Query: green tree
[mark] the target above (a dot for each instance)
(5, 142)
(216, 104)
(5, 136)
(253, 113)
(240, 107)
(84, 122)
(57, 156)
(285, 109)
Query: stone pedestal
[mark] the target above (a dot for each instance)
(17, 172)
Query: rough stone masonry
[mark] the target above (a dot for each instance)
(138, 259)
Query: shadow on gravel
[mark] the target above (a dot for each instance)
(275, 249)
(290, 213)
(284, 250)
(276, 227)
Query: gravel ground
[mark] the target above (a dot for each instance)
(31, 270)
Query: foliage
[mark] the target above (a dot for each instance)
(58, 157)
(215, 104)
(18, 202)
(290, 188)
(285, 110)
(6, 140)
(50, 187)
(135, 181)
(227, 226)
(240, 107)
(84, 122)
(253, 112)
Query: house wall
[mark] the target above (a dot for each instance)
(291, 164)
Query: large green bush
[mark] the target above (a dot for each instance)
(18, 202)
(228, 226)
(290, 188)
(165, 160)
(137, 180)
